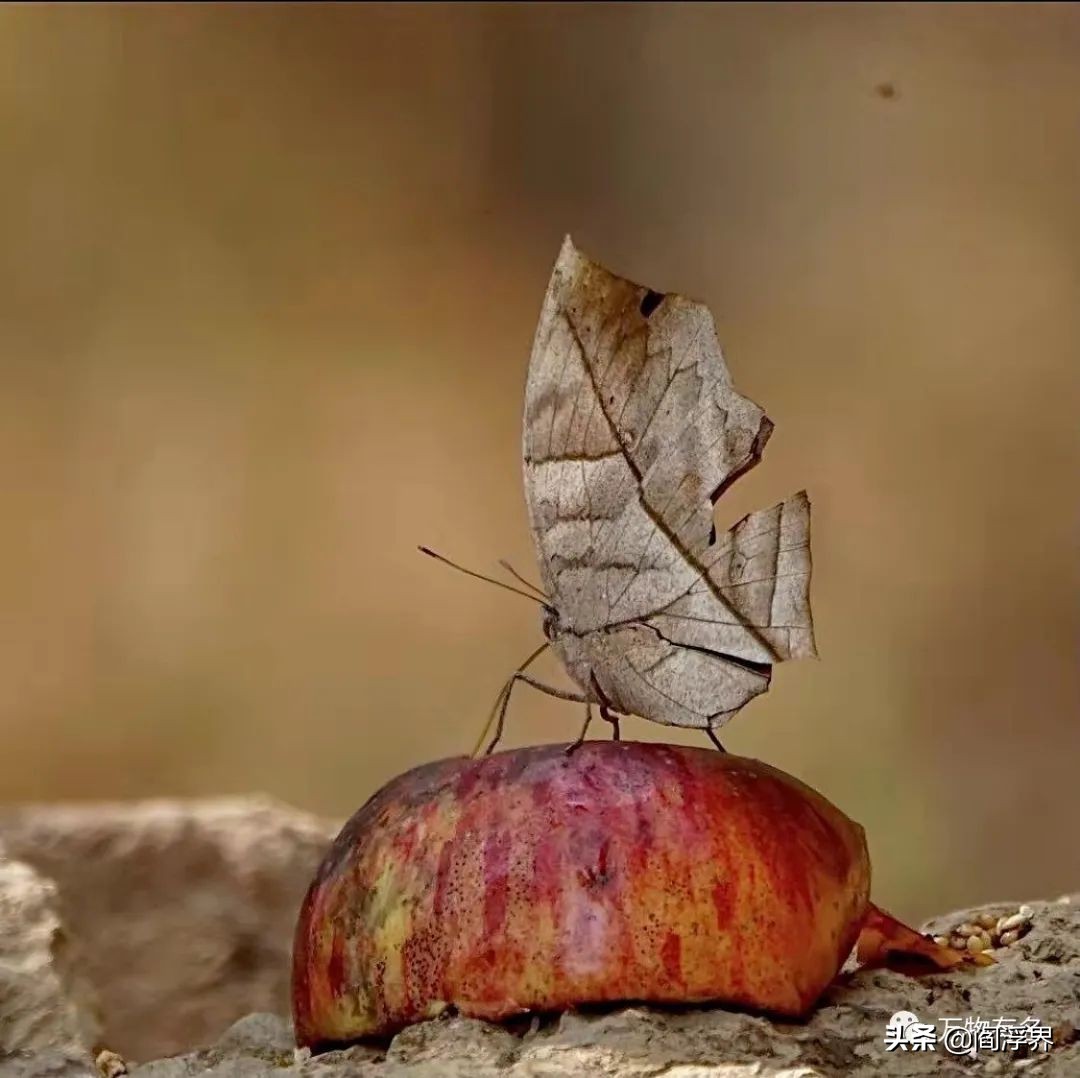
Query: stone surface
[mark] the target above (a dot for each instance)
(47, 1064)
(45, 1005)
(185, 909)
(1039, 976)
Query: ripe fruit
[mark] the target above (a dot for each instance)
(537, 880)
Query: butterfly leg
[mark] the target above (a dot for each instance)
(499, 709)
(504, 702)
(584, 730)
(613, 719)
(605, 707)
(500, 705)
(714, 739)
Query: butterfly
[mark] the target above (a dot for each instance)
(632, 432)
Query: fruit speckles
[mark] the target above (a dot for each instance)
(723, 903)
(442, 877)
(496, 864)
(671, 956)
(530, 880)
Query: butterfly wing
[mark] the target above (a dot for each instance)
(632, 431)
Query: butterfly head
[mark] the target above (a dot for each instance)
(551, 623)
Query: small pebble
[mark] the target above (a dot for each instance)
(967, 929)
(1014, 923)
(975, 944)
(1063, 1033)
(1009, 938)
(987, 942)
(110, 1064)
(1026, 911)
(987, 921)
(943, 941)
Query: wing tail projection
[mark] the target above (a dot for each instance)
(761, 568)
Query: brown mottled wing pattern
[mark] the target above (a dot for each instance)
(632, 431)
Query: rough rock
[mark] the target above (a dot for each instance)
(1039, 977)
(185, 908)
(45, 1005)
(48, 1064)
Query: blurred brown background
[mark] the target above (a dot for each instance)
(268, 283)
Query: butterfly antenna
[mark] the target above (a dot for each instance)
(521, 580)
(479, 576)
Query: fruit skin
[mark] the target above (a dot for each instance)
(537, 880)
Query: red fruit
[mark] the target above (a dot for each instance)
(533, 880)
